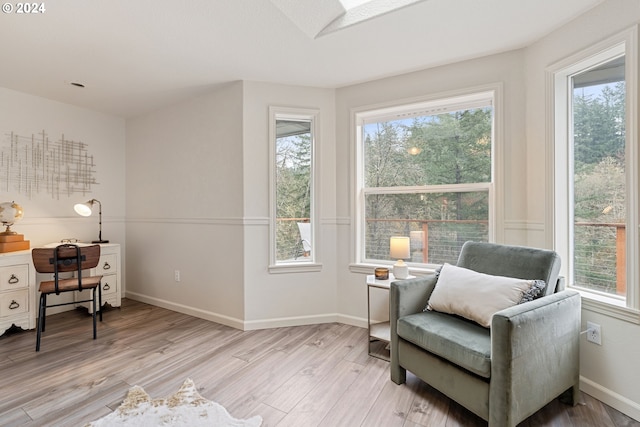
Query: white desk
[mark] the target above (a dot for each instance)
(109, 268)
(17, 291)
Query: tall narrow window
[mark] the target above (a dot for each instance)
(599, 179)
(596, 176)
(293, 136)
(426, 173)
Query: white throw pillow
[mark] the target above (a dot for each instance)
(478, 296)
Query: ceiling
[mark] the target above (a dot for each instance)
(136, 56)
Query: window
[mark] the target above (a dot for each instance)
(425, 172)
(596, 179)
(293, 135)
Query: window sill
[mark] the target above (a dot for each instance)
(369, 269)
(306, 267)
(608, 306)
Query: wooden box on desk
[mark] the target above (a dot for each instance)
(13, 242)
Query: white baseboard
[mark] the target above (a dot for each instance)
(352, 320)
(611, 398)
(305, 320)
(249, 325)
(283, 322)
(180, 308)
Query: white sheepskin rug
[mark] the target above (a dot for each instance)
(185, 408)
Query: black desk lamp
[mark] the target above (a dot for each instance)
(85, 209)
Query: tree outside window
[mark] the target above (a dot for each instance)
(293, 192)
(427, 174)
(292, 182)
(599, 195)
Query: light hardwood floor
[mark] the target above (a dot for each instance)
(302, 376)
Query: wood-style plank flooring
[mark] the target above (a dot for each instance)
(307, 376)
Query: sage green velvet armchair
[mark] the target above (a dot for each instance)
(528, 357)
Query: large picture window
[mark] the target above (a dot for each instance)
(426, 173)
(596, 177)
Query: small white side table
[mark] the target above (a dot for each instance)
(379, 332)
(379, 335)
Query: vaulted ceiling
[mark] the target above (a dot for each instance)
(134, 56)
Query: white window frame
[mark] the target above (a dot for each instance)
(559, 166)
(433, 104)
(289, 113)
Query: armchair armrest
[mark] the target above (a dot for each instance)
(406, 297)
(410, 296)
(534, 346)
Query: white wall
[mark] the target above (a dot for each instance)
(506, 70)
(203, 207)
(185, 206)
(608, 372)
(279, 299)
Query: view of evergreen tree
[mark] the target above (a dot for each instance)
(293, 191)
(599, 124)
(448, 148)
(599, 183)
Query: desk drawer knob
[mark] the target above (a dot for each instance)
(106, 266)
(13, 279)
(106, 287)
(13, 305)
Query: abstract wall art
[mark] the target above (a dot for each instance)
(38, 164)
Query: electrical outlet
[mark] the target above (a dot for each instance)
(594, 333)
(176, 275)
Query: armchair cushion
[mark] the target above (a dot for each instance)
(477, 296)
(462, 342)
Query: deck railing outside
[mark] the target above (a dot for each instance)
(600, 248)
(600, 256)
(432, 241)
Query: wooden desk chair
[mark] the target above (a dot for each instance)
(61, 259)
